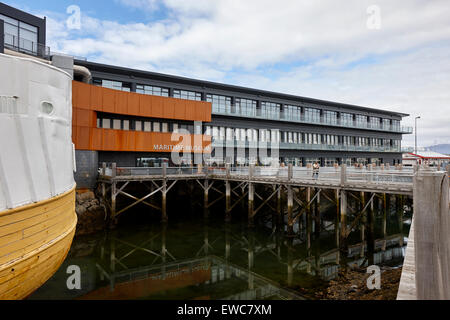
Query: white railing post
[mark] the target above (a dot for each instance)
(113, 170)
(227, 170)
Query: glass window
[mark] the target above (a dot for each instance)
(374, 122)
(245, 107)
(152, 90)
(106, 123)
(126, 124)
(175, 128)
(156, 127)
(221, 104)
(361, 121)
(291, 112)
(147, 126)
(187, 95)
(330, 117)
(270, 110)
(312, 115)
(116, 85)
(138, 125)
(165, 127)
(346, 119)
(117, 124)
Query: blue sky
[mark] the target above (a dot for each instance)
(394, 55)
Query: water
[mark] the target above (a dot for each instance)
(193, 258)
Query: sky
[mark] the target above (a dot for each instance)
(392, 55)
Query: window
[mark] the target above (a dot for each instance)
(312, 115)
(116, 85)
(106, 123)
(220, 104)
(386, 123)
(361, 121)
(245, 107)
(330, 117)
(270, 110)
(346, 119)
(291, 113)
(165, 127)
(117, 124)
(20, 35)
(187, 95)
(147, 126)
(156, 127)
(175, 128)
(138, 125)
(126, 124)
(374, 122)
(152, 90)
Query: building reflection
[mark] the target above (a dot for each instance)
(218, 269)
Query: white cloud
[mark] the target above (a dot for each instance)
(327, 48)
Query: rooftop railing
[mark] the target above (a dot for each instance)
(26, 46)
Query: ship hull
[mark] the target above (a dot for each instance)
(34, 241)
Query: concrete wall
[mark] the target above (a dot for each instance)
(64, 63)
(87, 169)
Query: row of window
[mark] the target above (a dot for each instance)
(144, 125)
(277, 136)
(269, 110)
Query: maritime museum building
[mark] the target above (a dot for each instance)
(129, 116)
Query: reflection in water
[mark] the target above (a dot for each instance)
(198, 260)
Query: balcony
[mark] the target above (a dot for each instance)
(301, 146)
(238, 111)
(26, 46)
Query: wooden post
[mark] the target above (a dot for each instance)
(164, 193)
(279, 210)
(317, 216)
(362, 224)
(251, 194)
(308, 218)
(371, 233)
(205, 198)
(343, 235)
(336, 224)
(343, 174)
(113, 202)
(290, 204)
(431, 235)
(227, 201)
(290, 171)
(104, 168)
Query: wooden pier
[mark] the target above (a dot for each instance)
(293, 195)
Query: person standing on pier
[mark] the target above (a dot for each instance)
(316, 168)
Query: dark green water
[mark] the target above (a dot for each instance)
(193, 258)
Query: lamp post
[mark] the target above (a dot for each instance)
(415, 135)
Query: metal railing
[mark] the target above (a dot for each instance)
(26, 46)
(379, 175)
(243, 111)
(302, 146)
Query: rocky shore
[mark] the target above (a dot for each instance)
(91, 213)
(352, 285)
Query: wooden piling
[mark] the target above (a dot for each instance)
(206, 198)
(251, 196)
(290, 204)
(227, 201)
(343, 233)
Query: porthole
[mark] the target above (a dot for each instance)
(47, 107)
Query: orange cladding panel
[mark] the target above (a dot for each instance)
(87, 100)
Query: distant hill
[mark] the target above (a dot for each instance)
(441, 148)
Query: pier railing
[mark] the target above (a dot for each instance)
(377, 175)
